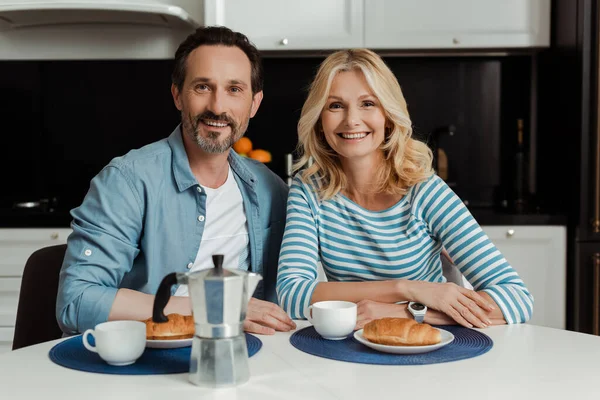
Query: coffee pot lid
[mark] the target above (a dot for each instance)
(216, 273)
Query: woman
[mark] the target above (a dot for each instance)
(370, 208)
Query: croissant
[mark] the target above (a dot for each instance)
(401, 332)
(178, 327)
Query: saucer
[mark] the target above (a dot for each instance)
(447, 338)
(168, 344)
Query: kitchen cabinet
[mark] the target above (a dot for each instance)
(538, 254)
(586, 310)
(94, 30)
(291, 25)
(385, 24)
(443, 24)
(16, 245)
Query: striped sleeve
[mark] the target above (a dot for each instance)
(474, 254)
(297, 270)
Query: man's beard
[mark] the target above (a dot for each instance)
(211, 143)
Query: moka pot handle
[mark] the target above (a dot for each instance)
(163, 295)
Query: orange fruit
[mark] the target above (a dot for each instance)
(260, 155)
(243, 146)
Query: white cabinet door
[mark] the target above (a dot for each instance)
(291, 25)
(16, 245)
(426, 24)
(6, 339)
(538, 254)
(9, 300)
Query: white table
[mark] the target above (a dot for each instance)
(526, 362)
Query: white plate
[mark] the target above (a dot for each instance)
(447, 338)
(168, 344)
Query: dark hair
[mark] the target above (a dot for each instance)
(217, 36)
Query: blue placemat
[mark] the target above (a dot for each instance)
(467, 343)
(72, 354)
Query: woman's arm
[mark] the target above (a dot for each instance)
(297, 285)
(382, 291)
(298, 256)
(474, 254)
(369, 310)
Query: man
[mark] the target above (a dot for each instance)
(171, 205)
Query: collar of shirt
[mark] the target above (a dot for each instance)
(182, 172)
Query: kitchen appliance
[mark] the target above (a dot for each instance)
(457, 148)
(219, 299)
(519, 197)
(440, 154)
(93, 30)
(41, 205)
(569, 149)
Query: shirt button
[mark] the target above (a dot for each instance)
(88, 252)
(199, 189)
(190, 265)
(201, 218)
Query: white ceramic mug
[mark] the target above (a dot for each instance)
(333, 320)
(117, 342)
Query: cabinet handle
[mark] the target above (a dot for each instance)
(284, 41)
(596, 316)
(510, 233)
(54, 235)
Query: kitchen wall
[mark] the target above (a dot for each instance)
(62, 121)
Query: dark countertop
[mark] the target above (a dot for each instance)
(11, 219)
(62, 219)
(491, 217)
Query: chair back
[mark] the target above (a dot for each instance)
(36, 312)
(451, 271)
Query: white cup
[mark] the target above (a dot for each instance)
(333, 320)
(117, 342)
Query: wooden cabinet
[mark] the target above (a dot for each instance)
(538, 254)
(442, 24)
(291, 25)
(585, 304)
(16, 245)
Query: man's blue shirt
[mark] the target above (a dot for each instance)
(140, 221)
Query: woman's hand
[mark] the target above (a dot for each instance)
(465, 306)
(368, 310)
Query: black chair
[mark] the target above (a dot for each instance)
(36, 316)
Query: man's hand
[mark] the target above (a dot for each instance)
(265, 318)
(368, 310)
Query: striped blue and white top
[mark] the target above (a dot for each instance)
(402, 242)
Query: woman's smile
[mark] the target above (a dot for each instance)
(353, 136)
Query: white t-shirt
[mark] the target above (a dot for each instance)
(225, 230)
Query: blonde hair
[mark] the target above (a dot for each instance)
(407, 161)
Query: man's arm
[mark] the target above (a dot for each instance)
(133, 305)
(101, 250)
